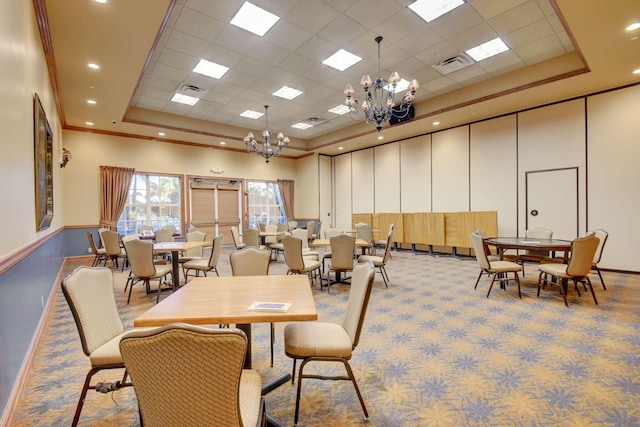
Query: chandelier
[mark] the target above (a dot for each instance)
(379, 103)
(266, 147)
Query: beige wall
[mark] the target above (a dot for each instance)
(23, 72)
(90, 151)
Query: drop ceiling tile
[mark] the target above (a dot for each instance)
(289, 36)
(342, 30)
(473, 37)
(316, 49)
(312, 15)
(491, 8)
(297, 64)
(222, 55)
(372, 12)
(239, 78)
(268, 52)
(341, 5)
(170, 73)
(458, 20)
(237, 39)
(187, 44)
(420, 40)
(223, 10)
(441, 85)
(198, 25)
(528, 34)
(252, 66)
(437, 53)
(502, 63)
(468, 76)
(541, 49)
(516, 18)
(177, 59)
(151, 103)
(280, 76)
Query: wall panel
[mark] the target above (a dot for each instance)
(342, 191)
(493, 167)
(614, 176)
(325, 191)
(415, 175)
(450, 151)
(387, 178)
(362, 178)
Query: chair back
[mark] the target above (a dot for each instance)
(302, 234)
(92, 243)
(100, 230)
(195, 236)
(489, 250)
(293, 253)
(111, 241)
(140, 255)
(282, 228)
(170, 228)
(364, 232)
(292, 225)
(204, 391)
(272, 228)
(251, 237)
(538, 233)
(262, 227)
(387, 248)
(236, 236)
(602, 235)
(215, 250)
(162, 236)
(89, 293)
(250, 261)
(583, 250)
(128, 237)
(478, 247)
(342, 250)
(359, 293)
(311, 228)
(332, 232)
(144, 228)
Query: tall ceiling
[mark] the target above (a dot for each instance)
(147, 49)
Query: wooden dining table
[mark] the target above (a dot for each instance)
(360, 243)
(226, 300)
(553, 245)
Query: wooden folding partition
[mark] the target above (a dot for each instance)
(424, 228)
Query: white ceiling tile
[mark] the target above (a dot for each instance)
(458, 20)
(473, 37)
(289, 36)
(342, 30)
(541, 49)
(528, 34)
(502, 63)
(490, 8)
(198, 25)
(517, 17)
(312, 15)
(268, 52)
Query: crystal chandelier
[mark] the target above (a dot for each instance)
(379, 103)
(266, 148)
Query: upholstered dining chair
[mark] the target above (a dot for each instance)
(237, 241)
(380, 243)
(365, 232)
(380, 261)
(144, 228)
(342, 252)
(143, 268)
(100, 254)
(277, 248)
(251, 237)
(603, 236)
(124, 239)
(497, 269)
(534, 255)
(193, 253)
(169, 228)
(91, 298)
(303, 235)
(328, 234)
(204, 383)
(330, 342)
(311, 228)
(298, 264)
(111, 240)
(205, 265)
(163, 236)
(252, 261)
(583, 251)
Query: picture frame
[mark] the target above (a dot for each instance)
(43, 166)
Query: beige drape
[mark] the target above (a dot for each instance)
(286, 191)
(114, 182)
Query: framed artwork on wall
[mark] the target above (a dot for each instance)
(43, 166)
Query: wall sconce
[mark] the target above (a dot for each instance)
(66, 156)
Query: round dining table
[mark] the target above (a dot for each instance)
(553, 245)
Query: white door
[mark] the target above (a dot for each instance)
(552, 201)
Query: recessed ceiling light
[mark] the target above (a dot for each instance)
(251, 114)
(339, 109)
(287, 92)
(302, 125)
(436, 123)
(633, 27)
(340, 148)
(210, 69)
(223, 143)
(254, 19)
(93, 66)
(487, 50)
(380, 136)
(341, 60)
(184, 99)
(101, 1)
(91, 101)
(431, 9)
(161, 133)
(88, 123)
(636, 71)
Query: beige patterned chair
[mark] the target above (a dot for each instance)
(365, 232)
(237, 241)
(534, 255)
(303, 235)
(205, 383)
(603, 236)
(113, 250)
(251, 237)
(330, 342)
(380, 261)
(163, 236)
(583, 251)
(89, 293)
(143, 268)
(380, 243)
(342, 252)
(328, 234)
(100, 254)
(497, 269)
(298, 264)
(193, 253)
(205, 265)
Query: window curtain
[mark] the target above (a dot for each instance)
(114, 182)
(286, 191)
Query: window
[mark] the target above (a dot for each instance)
(265, 203)
(153, 200)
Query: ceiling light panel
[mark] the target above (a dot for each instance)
(302, 125)
(487, 50)
(251, 114)
(432, 9)
(210, 69)
(254, 19)
(184, 99)
(287, 92)
(341, 60)
(339, 109)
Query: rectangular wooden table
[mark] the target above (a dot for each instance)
(175, 248)
(225, 300)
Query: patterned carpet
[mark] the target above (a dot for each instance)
(433, 352)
